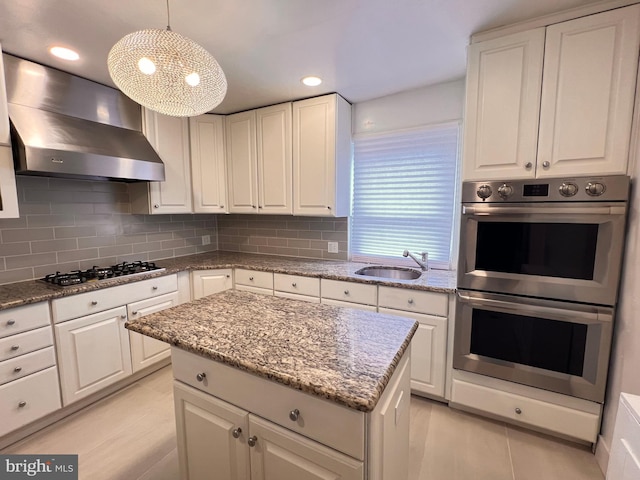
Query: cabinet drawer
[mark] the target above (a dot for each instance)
(21, 319)
(340, 303)
(252, 278)
(28, 399)
(350, 292)
(27, 364)
(25, 342)
(430, 303)
(326, 422)
(297, 284)
(99, 300)
(548, 416)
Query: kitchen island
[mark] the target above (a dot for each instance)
(274, 388)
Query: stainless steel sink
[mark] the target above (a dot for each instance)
(396, 273)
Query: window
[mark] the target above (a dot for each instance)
(404, 195)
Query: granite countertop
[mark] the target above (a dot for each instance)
(341, 354)
(22, 293)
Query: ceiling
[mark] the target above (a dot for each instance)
(363, 49)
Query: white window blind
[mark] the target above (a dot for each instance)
(404, 190)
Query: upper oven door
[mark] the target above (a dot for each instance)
(566, 251)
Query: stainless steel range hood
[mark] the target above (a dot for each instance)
(66, 126)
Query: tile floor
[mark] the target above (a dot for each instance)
(131, 435)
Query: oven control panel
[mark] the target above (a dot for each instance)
(613, 188)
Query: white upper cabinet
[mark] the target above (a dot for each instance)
(259, 160)
(587, 94)
(502, 106)
(169, 136)
(273, 141)
(576, 121)
(208, 169)
(8, 191)
(242, 168)
(322, 156)
(5, 138)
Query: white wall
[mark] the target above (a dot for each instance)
(423, 106)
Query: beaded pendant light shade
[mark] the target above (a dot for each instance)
(167, 72)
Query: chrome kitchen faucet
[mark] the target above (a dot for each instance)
(423, 263)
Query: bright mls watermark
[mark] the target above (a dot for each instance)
(50, 467)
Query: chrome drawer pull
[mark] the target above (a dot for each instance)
(251, 279)
(201, 376)
(135, 312)
(11, 322)
(236, 432)
(346, 292)
(154, 287)
(410, 301)
(94, 302)
(17, 369)
(518, 411)
(252, 441)
(124, 316)
(22, 404)
(15, 347)
(294, 415)
(294, 284)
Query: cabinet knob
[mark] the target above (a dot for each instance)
(253, 206)
(236, 432)
(251, 279)
(17, 369)
(221, 206)
(228, 276)
(11, 322)
(22, 404)
(135, 312)
(545, 164)
(294, 284)
(328, 208)
(528, 165)
(294, 415)
(15, 347)
(259, 206)
(518, 411)
(201, 376)
(124, 316)
(410, 301)
(156, 206)
(155, 287)
(94, 302)
(346, 292)
(252, 441)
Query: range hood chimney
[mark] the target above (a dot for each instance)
(67, 126)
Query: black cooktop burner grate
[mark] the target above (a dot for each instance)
(77, 277)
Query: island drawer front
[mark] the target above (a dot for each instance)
(340, 303)
(99, 300)
(28, 399)
(25, 342)
(430, 303)
(297, 284)
(548, 416)
(350, 292)
(322, 420)
(27, 364)
(253, 278)
(20, 319)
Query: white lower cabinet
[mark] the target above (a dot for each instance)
(296, 287)
(226, 431)
(208, 282)
(145, 350)
(254, 281)
(93, 352)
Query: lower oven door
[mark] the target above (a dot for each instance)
(557, 346)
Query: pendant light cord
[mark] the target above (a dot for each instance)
(168, 17)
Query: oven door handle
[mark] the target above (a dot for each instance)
(548, 210)
(573, 316)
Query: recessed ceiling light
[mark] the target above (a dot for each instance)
(311, 81)
(64, 53)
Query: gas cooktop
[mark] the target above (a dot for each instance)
(77, 277)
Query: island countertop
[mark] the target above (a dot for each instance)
(341, 354)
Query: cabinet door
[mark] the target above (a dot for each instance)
(587, 94)
(502, 106)
(242, 168)
(93, 352)
(208, 282)
(428, 352)
(208, 164)
(145, 350)
(321, 156)
(206, 430)
(169, 136)
(280, 454)
(274, 159)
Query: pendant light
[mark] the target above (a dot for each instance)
(167, 72)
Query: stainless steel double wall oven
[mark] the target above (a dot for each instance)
(538, 277)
